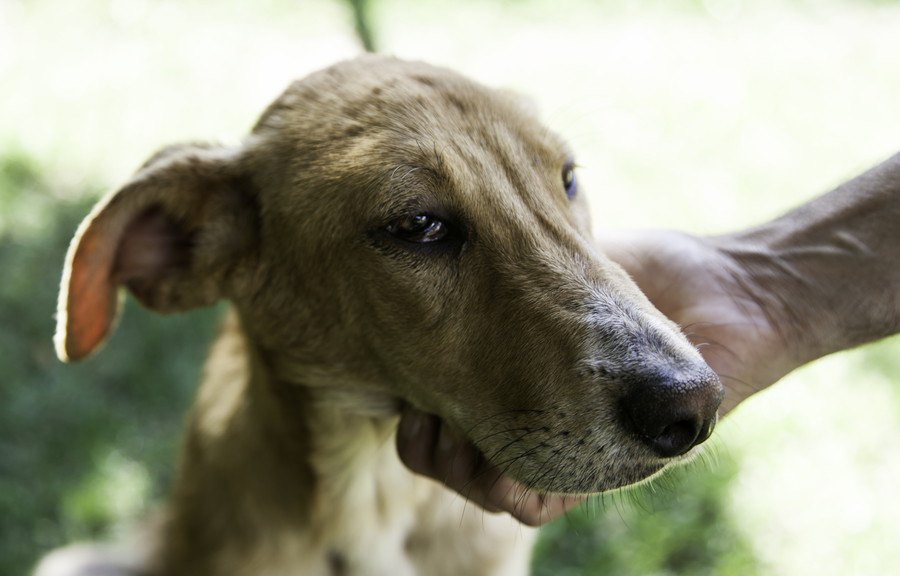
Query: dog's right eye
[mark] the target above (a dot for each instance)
(419, 228)
(568, 179)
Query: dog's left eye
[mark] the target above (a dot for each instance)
(570, 185)
(419, 228)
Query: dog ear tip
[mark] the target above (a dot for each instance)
(68, 350)
(63, 351)
(70, 356)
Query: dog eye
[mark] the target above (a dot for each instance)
(570, 185)
(419, 228)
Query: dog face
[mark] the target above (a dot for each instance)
(392, 231)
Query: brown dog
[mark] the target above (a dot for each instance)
(389, 233)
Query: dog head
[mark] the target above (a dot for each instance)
(392, 231)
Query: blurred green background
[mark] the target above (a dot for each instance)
(704, 115)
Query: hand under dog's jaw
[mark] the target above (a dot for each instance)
(428, 446)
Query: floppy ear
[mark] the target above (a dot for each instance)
(175, 235)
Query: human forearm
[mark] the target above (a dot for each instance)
(828, 273)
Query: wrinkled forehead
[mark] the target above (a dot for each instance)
(410, 124)
(409, 108)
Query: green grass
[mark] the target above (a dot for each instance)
(701, 115)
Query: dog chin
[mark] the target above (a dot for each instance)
(575, 477)
(624, 475)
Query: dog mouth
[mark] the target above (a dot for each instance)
(427, 444)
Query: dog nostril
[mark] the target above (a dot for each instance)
(676, 439)
(672, 415)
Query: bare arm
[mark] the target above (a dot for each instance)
(829, 271)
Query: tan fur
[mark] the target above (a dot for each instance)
(521, 337)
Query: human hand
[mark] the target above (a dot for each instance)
(428, 446)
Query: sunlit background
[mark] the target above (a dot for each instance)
(705, 116)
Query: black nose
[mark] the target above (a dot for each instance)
(672, 413)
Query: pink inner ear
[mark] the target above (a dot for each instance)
(91, 299)
(151, 248)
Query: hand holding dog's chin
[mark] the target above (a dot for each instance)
(427, 446)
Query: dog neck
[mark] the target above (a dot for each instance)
(275, 473)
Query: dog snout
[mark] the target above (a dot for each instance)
(672, 413)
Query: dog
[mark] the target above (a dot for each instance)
(390, 234)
